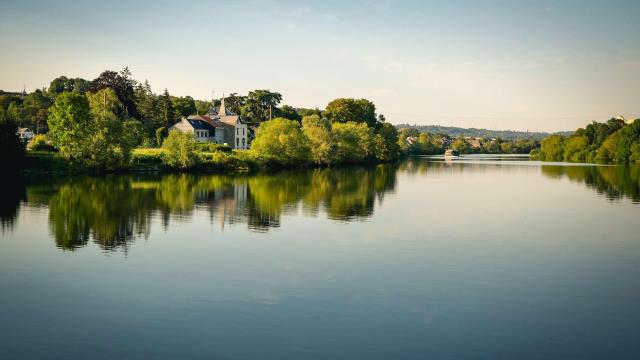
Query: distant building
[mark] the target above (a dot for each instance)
(475, 143)
(219, 126)
(236, 130)
(202, 131)
(25, 134)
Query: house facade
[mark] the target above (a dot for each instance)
(236, 131)
(25, 134)
(219, 126)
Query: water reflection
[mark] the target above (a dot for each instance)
(114, 211)
(614, 182)
(13, 193)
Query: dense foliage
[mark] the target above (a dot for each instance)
(88, 131)
(615, 142)
(180, 150)
(11, 147)
(414, 142)
(322, 142)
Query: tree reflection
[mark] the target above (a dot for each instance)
(114, 211)
(614, 182)
(13, 193)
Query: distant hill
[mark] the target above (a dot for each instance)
(482, 133)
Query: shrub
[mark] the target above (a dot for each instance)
(147, 157)
(180, 150)
(161, 134)
(40, 143)
(11, 147)
(212, 147)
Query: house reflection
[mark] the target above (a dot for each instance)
(114, 211)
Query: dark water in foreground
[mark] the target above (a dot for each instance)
(477, 258)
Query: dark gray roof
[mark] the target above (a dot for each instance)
(200, 125)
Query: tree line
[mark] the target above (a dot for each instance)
(412, 141)
(346, 132)
(97, 124)
(455, 132)
(615, 141)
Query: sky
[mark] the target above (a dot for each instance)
(523, 65)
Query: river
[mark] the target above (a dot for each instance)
(481, 257)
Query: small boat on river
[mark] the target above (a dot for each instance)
(451, 153)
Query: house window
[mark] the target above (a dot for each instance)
(237, 142)
(243, 142)
(242, 132)
(237, 131)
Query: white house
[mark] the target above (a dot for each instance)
(25, 134)
(236, 130)
(219, 126)
(202, 130)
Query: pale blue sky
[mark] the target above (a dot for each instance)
(545, 65)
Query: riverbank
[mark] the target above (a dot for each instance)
(150, 160)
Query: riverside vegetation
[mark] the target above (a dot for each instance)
(115, 123)
(613, 142)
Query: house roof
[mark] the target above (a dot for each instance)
(212, 122)
(24, 130)
(198, 124)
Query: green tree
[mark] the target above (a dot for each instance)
(627, 137)
(202, 107)
(64, 84)
(386, 143)
(87, 130)
(552, 148)
(15, 113)
(105, 105)
(11, 147)
(306, 112)
(167, 112)
(288, 112)
(461, 145)
(36, 109)
(353, 141)
(352, 110)
(259, 104)
(184, 106)
(148, 105)
(234, 102)
(318, 131)
(635, 152)
(281, 141)
(71, 126)
(161, 134)
(123, 84)
(575, 149)
(180, 150)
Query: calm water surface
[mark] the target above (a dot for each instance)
(476, 258)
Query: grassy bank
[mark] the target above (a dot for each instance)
(142, 160)
(150, 160)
